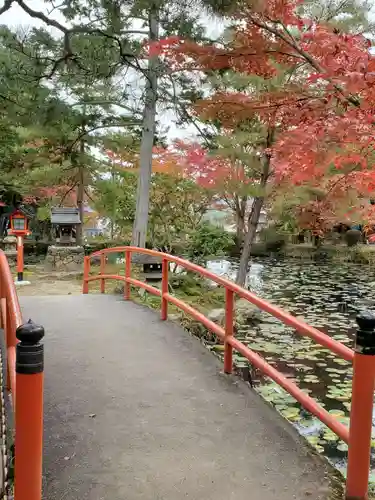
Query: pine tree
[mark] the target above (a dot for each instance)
(125, 31)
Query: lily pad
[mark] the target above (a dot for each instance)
(342, 447)
(313, 439)
(337, 413)
(291, 413)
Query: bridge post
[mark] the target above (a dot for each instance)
(362, 408)
(2, 299)
(86, 272)
(164, 289)
(10, 341)
(128, 272)
(102, 271)
(29, 412)
(229, 316)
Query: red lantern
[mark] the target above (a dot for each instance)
(19, 227)
(19, 224)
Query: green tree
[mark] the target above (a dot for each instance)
(108, 27)
(177, 206)
(114, 199)
(73, 119)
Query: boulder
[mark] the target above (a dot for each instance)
(247, 313)
(217, 316)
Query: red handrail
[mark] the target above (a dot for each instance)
(11, 319)
(27, 400)
(226, 333)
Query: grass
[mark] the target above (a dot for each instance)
(361, 254)
(195, 292)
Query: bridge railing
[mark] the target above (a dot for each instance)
(24, 383)
(359, 436)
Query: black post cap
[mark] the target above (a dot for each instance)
(366, 321)
(30, 333)
(29, 352)
(365, 336)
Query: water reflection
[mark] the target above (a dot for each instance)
(228, 269)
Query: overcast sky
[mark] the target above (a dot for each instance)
(15, 16)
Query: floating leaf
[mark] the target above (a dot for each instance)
(291, 413)
(313, 439)
(330, 436)
(218, 348)
(342, 447)
(337, 413)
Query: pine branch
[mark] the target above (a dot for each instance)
(184, 112)
(42, 17)
(7, 5)
(8, 99)
(98, 127)
(103, 103)
(68, 32)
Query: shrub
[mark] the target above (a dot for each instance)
(352, 237)
(95, 246)
(209, 240)
(274, 240)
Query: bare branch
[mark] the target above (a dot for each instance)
(54, 7)
(89, 196)
(134, 32)
(67, 192)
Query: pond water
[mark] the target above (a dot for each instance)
(326, 296)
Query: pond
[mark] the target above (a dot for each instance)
(326, 296)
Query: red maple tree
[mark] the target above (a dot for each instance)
(322, 114)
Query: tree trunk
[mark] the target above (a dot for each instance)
(148, 137)
(80, 195)
(113, 207)
(240, 220)
(240, 227)
(254, 215)
(249, 238)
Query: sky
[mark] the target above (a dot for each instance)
(16, 17)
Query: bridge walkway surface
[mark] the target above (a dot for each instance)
(136, 408)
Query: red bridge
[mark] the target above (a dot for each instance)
(137, 408)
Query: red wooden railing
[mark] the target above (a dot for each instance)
(359, 437)
(26, 394)
(11, 319)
